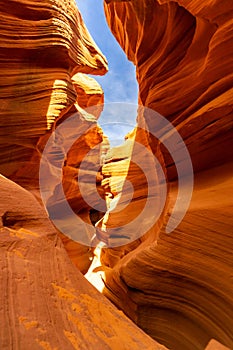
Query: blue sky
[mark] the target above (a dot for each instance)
(119, 84)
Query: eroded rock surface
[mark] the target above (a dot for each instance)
(42, 45)
(45, 51)
(179, 288)
(183, 56)
(46, 303)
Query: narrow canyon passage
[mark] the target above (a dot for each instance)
(147, 220)
(122, 266)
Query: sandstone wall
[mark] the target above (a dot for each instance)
(179, 288)
(46, 303)
(183, 56)
(42, 46)
(46, 52)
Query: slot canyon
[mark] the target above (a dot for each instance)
(98, 250)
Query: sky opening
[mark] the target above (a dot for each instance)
(119, 84)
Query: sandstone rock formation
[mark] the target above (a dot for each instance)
(45, 51)
(214, 345)
(89, 93)
(45, 301)
(42, 46)
(127, 170)
(179, 288)
(183, 56)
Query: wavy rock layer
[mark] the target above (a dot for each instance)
(46, 303)
(130, 218)
(179, 288)
(45, 50)
(72, 170)
(42, 46)
(183, 56)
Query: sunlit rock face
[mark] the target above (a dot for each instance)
(183, 56)
(214, 345)
(89, 93)
(46, 51)
(179, 288)
(130, 218)
(78, 186)
(46, 303)
(42, 45)
(76, 141)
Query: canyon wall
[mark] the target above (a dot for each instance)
(42, 46)
(178, 288)
(46, 52)
(183, 56)
(46, 303)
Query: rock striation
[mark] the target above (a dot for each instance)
(42, 46)
(46, 52)
(178, 288)
(46, 303)
(182, 51)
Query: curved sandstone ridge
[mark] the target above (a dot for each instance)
(89, 93)
(44, 48)
(178, 288)
(42, 45)
(46, 303)
(76, 141)
(134, 188)
(183, 56)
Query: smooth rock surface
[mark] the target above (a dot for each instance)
(45, 301)
(178, 288)
(214, 345)
(42, 46)
(45, 51)
(182, 51)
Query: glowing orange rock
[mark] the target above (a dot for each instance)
(179, 288)
(42, 46)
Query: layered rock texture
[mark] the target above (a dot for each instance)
(183, 55)
(42, 46)
(45, 51)
(178, 287)
(46, 303)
